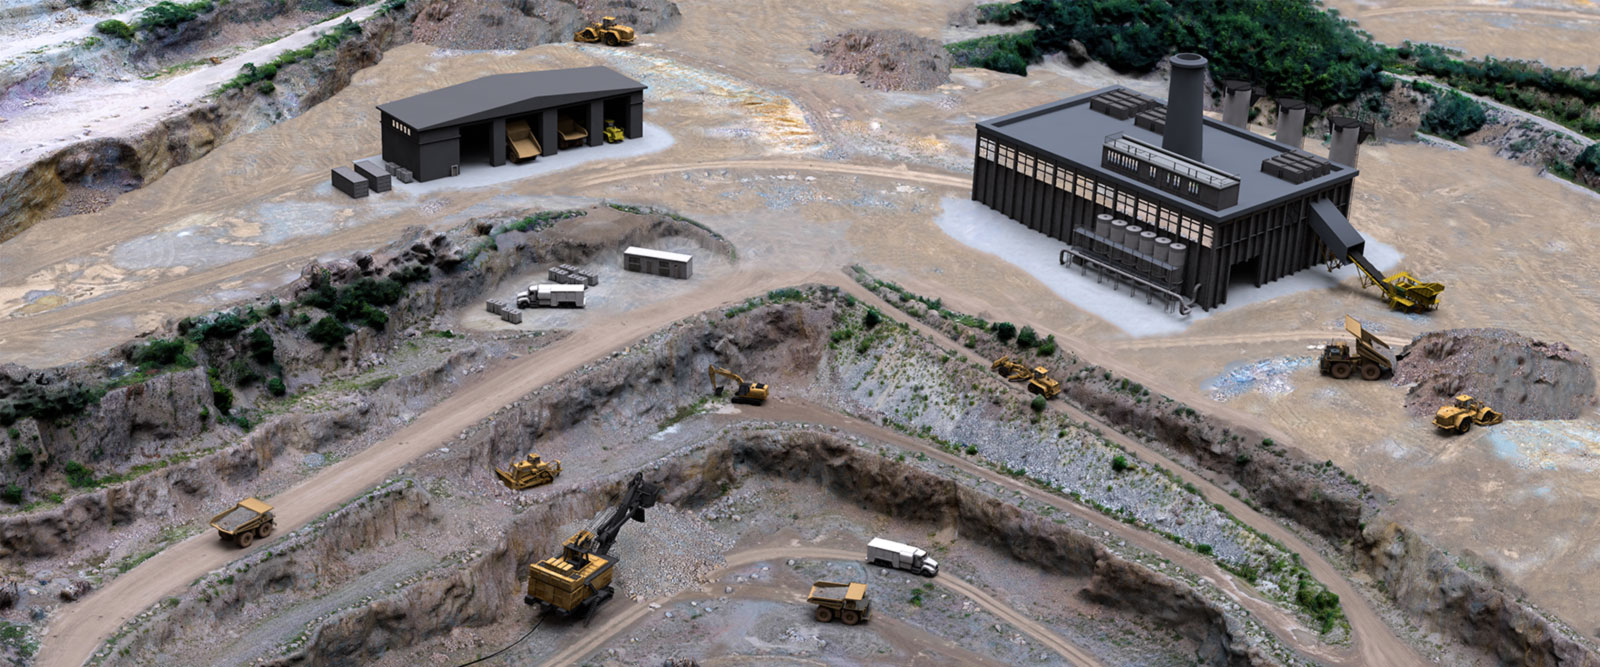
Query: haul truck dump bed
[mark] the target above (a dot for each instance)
(245, 521)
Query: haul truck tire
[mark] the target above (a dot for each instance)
(244, 539)
(850, 617)
(824, 614)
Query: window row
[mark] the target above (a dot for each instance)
(1102, 194)
(400, 126)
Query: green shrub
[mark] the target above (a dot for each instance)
(22, 457)
(328, 331)
(221, 396)
(11, 494)
(872, 318)
(262, 348)
(78, 475)
(114, 28)
(1119, 463)
(1009, 53)
(276, 387)
(1005, 331)
(223, 327)
(13, 433)
(166, 14)
(274, 309)
(999, 13)
(1048, 347)
(972, 450)
(1038, 404)
(160, 352)
(1203, 548)
(265, 87)
(1589, 159)
(1453, 116)
(1027, 337)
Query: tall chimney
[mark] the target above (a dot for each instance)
(1184, 131)
(1347, 135)
(1236, 103)
(1291, 122)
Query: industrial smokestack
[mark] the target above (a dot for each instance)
(1184, 99)
(1291, 122)
(1236, 102)
(1347, 135)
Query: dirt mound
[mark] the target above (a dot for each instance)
(519, 24)
(886, 59)
(1519, 376)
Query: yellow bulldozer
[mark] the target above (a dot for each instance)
(526, 474)
(605, 30)
(579, 580)
(1460, 415)
(1038, 377)
(613, 134)
(744, 392)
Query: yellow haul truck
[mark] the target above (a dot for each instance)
(245, 521)
(579, 580)
(846, 602)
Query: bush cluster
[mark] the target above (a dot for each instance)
(114, 28)
(166, 14)
(1293, 49)
(1453, 116)
(1567, 96)
(250, 73)
(47, 402)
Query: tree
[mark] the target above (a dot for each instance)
(328, 331)
(1453, 116)
(1005, 331)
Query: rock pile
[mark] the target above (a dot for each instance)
(1519, 376)
(886, 59)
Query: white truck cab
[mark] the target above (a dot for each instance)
(889, 553)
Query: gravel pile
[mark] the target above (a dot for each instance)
(1519, 376)
(886, 59)
(671, 551)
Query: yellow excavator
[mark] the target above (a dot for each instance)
(753, 393)
(579, 580)
(529, 473)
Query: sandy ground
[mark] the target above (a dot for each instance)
(1565, 29)
(806, 172)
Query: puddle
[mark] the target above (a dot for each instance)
(1268, 376)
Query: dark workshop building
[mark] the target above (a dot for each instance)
(526, 113)
(1156, 195)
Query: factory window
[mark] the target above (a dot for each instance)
(1205, 236)
(986, 149)
(1194, 188)
(1104, 195)
(1007, 157)
(1046, 172)
(1125, 203)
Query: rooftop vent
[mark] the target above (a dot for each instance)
(1120, 104)
(1169, 171)
(1296, 166)
(1153, 119)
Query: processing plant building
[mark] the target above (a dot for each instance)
(1157, 195)
(527, 114)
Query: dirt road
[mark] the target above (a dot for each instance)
(80, 628)
(603, 634)
(1373, 641)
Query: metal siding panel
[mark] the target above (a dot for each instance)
(497, 142)
(548, 140)
(635, 123)
(597, 122)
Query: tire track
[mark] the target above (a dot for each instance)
(595, 639)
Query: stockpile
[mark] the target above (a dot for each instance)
(1519, 376)
(886, 59)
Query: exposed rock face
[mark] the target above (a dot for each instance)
(1483, 611)
(1516, 375)
(886, 59)
(111, 165)
(519, 24)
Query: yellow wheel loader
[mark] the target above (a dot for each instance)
(605, 30)
(753, 393)
(1459, 416)
(529, 473)
(613, 133)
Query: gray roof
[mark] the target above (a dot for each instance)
(500, 95)
(1069, 131)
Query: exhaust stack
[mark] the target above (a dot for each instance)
(1236, 101)
(1347, 135)
(1291, 122)
(1184, 131)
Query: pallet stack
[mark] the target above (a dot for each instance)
(567, 274)
(506, 311)
(399, 172)
(377, 176)
(346, 180)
